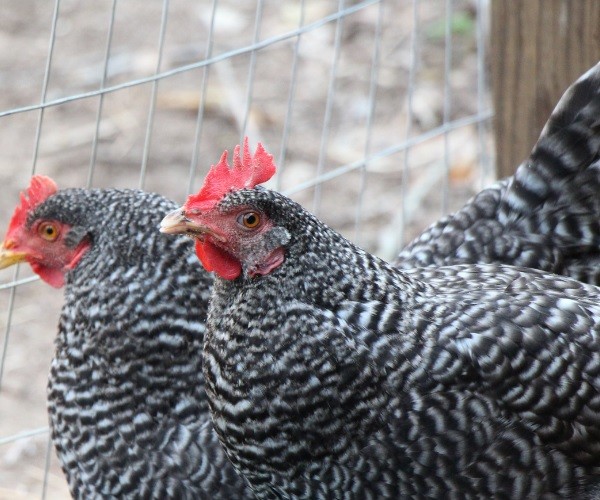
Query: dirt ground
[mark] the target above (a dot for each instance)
(330, 123)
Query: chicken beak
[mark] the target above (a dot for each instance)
(176, 222)
(10, 257)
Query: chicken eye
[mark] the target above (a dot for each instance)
(48, 231)
(249, 219)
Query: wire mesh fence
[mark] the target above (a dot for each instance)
(377, 112)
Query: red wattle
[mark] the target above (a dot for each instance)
(51, 275)
(215, 259)
(79, 252)
(54, 275)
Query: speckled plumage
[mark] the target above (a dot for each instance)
(547, 216)
(338, 376)
(126, 399)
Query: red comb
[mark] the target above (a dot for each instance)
(248, 171)
(40, 188)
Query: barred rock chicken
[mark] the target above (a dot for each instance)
(128, 410)
(331, 374)
(547, 215)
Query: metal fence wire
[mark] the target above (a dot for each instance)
(377, 112)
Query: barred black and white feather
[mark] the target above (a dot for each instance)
(547, 216)
(126, 398)
(332, 374)
(336, 375)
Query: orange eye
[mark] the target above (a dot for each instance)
(48, 231)
(249, 219)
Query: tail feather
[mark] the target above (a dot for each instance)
(547, 215)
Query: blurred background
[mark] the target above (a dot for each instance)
(378, 112)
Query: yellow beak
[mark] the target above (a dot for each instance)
(9, 257)
(175, 222)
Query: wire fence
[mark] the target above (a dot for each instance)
(377, 112)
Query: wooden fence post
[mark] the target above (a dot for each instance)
(538, 47)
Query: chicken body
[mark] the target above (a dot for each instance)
(337, 376)
(126, 399)
(331, 374)
(546, 216)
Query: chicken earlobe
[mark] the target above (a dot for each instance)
(271, 255)
(273, 260)
(75, 236)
